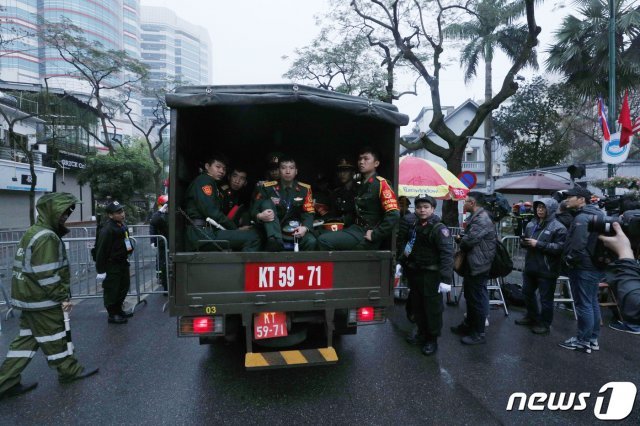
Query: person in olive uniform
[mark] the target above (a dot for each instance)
(236, 198)
(40, 288)
(425, 251)
(112, 252)
(343, 205)
(284, 204)
(376, 211)
(204, 206)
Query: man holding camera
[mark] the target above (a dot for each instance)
(623, 275)
(584, 276)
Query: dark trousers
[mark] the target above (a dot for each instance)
(426, 303)
(198, 237)
(161, 260)
(351, 238)
(542, 313)
(116, 286)
(477, 297)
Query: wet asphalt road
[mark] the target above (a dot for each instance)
(149, 376)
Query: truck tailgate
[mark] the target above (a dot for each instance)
(288, 281)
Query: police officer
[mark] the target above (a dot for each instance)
(112, 253)
(204, 206)
(40, 289)
(285, 204)
(376, 210)
(425, 251)
(343, 205)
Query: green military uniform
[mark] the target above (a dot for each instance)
(40, 283)
(235, 206)
(205, 200)
(293, 203)
(425, 252)
(376, 209)
(343, 204)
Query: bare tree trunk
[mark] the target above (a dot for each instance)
(450, 207)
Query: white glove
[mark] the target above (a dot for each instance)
(444, 288)
(164, 208)
(153, 245)
(101, 277)
(214, 224)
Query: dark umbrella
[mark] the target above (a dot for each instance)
(533, 185)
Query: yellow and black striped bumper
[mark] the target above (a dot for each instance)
(283, 359)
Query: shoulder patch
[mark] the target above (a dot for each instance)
(208, 190)
(305, 185)
(445, 231)
(270, 183)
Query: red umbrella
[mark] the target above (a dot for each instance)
(420, 176)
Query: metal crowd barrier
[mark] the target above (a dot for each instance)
(145, 267)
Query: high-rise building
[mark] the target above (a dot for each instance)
(173, 49)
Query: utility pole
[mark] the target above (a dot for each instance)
(611, 171)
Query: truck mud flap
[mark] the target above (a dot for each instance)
(286, 359)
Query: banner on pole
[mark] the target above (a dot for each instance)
(612, 153)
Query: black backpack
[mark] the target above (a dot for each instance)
(95, 242)
(502, 264)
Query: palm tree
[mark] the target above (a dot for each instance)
(493, 28)
(581, 51)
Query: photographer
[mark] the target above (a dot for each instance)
(584, 276)
(624, 277)
(543, 239)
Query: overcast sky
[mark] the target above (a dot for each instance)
(249, 38)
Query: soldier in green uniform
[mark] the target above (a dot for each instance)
(285, 204)
(376, 211)
(342, 204)
(236, 199)
(40, 289)
(204, 206)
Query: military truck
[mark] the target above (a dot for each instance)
(272, 299)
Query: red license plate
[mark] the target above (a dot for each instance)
(288, 276)
(269, 324)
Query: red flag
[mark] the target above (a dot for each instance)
(625, 121)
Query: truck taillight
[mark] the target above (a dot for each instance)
(201, 326)
(366, 315)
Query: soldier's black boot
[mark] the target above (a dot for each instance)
(430, 347)
(18, 389)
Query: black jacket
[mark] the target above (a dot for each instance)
(432, 249)
(544, 259)
(580, 242)
(624, 277)
(159, 225)
(111, 249)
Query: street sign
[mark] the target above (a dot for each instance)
(469, 179)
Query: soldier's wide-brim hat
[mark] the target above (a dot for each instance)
(333, 226)
(345, 164)
(114, 207)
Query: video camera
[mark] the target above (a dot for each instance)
(618, 204)
(629, 222)
(497, 206)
